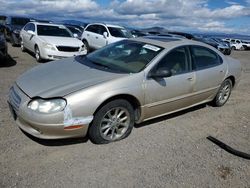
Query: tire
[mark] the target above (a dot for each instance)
(233, 48)
(37, 54)
(223, 93)
(23, 49)
(112, 122)
(86, 45)
(12, 41)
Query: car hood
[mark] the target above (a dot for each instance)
(62, 77)
(61, 41)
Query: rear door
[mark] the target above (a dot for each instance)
(24, 35)
(91, 32)
(210, 72)
(31, 37)
(100, 40)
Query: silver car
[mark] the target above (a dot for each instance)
(105, 93)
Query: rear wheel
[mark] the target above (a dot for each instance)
(37, 54)
(114, 121)
(223, 94)
(86, 46)
(23, 49)
(233, 48)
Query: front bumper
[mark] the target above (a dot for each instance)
(55, 54)
(45, 126)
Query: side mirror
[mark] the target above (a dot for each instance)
(105, 34)
(31, 32)
(75, 35)
(160, 73)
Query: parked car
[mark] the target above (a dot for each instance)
(237, 44)
(105, 92)
(137, 33)
(186, 35)
(2, 19)
(3, 44)
(50, 41)
(75, 30)
(221, 46)
(13, 26)
(98, 35)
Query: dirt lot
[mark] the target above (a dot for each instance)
(167, 152)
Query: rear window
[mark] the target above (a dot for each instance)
(119, 32)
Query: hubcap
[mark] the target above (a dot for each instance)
(224, 93)
(115, 123)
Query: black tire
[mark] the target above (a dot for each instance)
(233, 48)
(220, 99)
(37, 54)
(12, 41)
(86, 44)
(23, 49)
(95, 130)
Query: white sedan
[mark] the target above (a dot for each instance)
(50, 41)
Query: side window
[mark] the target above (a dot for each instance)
(176, 61)
(32, 27)
(204, 58)
(27, 27)
(101, 29)
(92, 28)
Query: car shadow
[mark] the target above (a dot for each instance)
(170, 116)
(7, 62)
(57, 142)
(33, 55)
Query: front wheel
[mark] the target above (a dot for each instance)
(223, 94)
(114, 121)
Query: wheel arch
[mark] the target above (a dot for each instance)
(130, 98)
(232, 78)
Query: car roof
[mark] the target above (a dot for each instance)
(49, 24)
(168, 42)
(108, 25)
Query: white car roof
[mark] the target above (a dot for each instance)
(49, 24)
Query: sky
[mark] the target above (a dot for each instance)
(214, 16)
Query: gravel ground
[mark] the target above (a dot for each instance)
(171, 151)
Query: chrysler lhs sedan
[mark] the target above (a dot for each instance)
(103, 94)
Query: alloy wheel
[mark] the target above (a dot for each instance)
(114, 123)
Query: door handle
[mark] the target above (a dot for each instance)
(190, 79)
(87, 34)
(221, 71)
(96, 37)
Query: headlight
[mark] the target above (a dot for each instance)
(49, 46)
(16, 31)
(47, 106)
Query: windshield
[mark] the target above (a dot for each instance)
(119, 32)
(19, 21)
(125, 56)
(74, 29)
(55, 31)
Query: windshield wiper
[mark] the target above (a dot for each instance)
(100, 64)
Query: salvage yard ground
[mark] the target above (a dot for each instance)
(171, 151)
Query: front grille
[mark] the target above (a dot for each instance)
(68, 48)
(14, 99)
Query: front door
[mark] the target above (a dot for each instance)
(164, 95)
